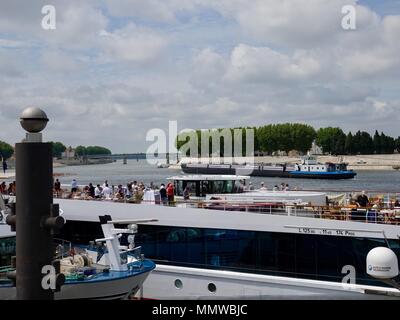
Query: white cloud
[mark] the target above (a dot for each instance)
(114, 69)
(132, 43)
(158, 10)
(262, 64)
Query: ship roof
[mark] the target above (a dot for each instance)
(208, 177)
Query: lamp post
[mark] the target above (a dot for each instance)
(35, 217)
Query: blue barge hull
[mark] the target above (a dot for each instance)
(260, 171)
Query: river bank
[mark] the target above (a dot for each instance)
(355, 162)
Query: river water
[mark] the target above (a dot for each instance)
(141, 171)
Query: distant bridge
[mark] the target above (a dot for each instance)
(133, 156)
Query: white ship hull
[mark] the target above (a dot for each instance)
(104, 290)
(238, 285)
(195, 284)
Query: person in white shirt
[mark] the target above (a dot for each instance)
(105, 184)
(107, 192)
(97, 192)
(74, 186)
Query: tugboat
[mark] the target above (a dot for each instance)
(308, 168)
(311, 168)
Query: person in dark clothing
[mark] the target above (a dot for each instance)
(91, 190)
(5, 167)
(163, 194)
(363, 200)
(57, 188)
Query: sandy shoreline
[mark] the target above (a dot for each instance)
(359, 162)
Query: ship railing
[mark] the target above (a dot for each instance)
(387, 213)
(367, 214)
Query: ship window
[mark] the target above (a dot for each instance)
(179, 187)
(193, 187)
(205, 188)
(228, 186)
(178, 284)
(212, 287)
(217, 186)
(293, 255)
(7, 250)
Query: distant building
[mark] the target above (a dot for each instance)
(293, 153)
(69, 153)
(315, 149)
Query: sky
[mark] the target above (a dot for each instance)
(112, 70)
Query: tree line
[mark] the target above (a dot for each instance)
(59, 148)
(286, 137)
(6, 150)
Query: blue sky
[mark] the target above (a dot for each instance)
(115, 69)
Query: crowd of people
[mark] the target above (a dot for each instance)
(132, 191)
(10, 190)
(282, 187)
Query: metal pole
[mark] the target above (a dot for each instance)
(34, 197)
(36, 216)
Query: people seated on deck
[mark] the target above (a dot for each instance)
(107, 192)
(120, 194)
(275, 188)
(372, 214)
(91, 191)
(3, 188)
(12, 189)
(363, 200)
(263, 187)
(128, 190)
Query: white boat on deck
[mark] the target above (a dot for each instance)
(101, 271)
(233, 188)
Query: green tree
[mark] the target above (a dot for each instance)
(377, 143)
(80, 151)
(6, 150)
(331, 140)
(97, 150)
(388, 144)
(397, 144)
(303, 137)
(363, 143)
(267, 139)
(349, 144)
(58, 149)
